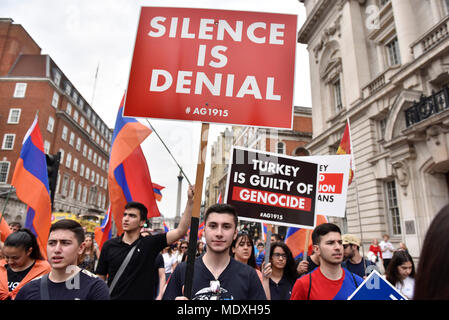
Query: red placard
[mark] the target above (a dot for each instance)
(217, 66)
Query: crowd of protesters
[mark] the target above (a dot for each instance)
(229, 264)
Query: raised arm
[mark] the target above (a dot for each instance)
(184, 223)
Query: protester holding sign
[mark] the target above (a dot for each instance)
(217, 276)
(329, 281)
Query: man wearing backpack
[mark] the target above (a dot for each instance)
(329, 281)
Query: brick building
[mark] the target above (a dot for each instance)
(32, 83)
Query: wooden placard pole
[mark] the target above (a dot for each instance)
(306, 246)
(194, 222)
(268, 243)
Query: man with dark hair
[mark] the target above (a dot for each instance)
(136, 280)
(329, 281)
(217, 276)
(354, 261)
(66, 281)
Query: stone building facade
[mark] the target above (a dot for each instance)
(383, 64)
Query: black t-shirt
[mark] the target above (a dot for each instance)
(281, 290)
(14, 278)
(137, 281)
(359, 269)
(83, 286)
(159, 264)
(237, 282)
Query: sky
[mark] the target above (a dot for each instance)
(81, 35)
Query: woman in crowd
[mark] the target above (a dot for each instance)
(170, 261)
(401, 273)
(280, 272)
(90, 255)
(23, 262)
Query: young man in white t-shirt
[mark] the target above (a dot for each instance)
(387, 249)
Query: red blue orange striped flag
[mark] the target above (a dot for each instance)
(129, 177)
(295, 238)
(31, 182)
(104, 232)
(4, 229)
(157, 191)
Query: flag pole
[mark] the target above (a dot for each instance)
(356, 194)
(169, 152)
(306, 246)
(194, 222)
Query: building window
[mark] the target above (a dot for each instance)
(382, 128)
(65, 131)
(62, 156)
(4, 171)
(55, 100)
(72, 139)
(47, 147)
(20, 90)
(68, 109)
(82, 122)
(79, 192)
(84, 150)
(280, 148)
(57, 78)
(84, 194)
(8, 141)
(337, 94)
(14, 116)
(50, 124)
(89, 156)
(75, 115)
(393, 208)
(75, 164)
(64, 188)
(72, 189)
(82, 170)
(68, 89)
(78, 144)
(394, 56)
(68, 160)
(87, 173)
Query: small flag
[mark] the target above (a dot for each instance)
(157, 191)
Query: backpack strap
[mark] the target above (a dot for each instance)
(122, 267)
(44, 288)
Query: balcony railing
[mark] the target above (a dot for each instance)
(427, 106)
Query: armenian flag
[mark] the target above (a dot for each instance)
(129, 177)
(31, 182)
(295, 238)
(104, 232)
(157, 191)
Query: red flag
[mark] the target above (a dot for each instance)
(31, 182)
(345, 148)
